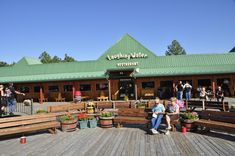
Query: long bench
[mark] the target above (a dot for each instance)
(23, 124)
(193, 104)
(73, 108)
(138, 116)
(131, 116)
(217, 120)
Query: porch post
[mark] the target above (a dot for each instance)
(110, 97)
(213, 88)
(73, 92)
(136, 95)
(41, 96)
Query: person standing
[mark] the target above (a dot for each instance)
(220, 94)
(158, 111)
(11, 98)
(179, 89)
(187, 88)
(2, 100)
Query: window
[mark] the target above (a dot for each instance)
(204, 82)
(102, 86)
(85, 87)
(149, 84)
(53, 88)
(68, 88)
(24, 89)
(37, 89)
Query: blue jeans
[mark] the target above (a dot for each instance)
(188, 95)
(156, 121)
(11, 105)
(180, 95)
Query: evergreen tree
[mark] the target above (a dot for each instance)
(175, 49)
(45, 57)
(68, 58)
(3, 64)
(56, 59)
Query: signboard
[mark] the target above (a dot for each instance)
(134, 55)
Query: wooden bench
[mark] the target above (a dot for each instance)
(73, 108)
(193, 104)
(173, 123)
(131, 116)
(23, 124)
(217, 120)
(121, 104)
(103, 105)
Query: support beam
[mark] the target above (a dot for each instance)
(110, 97)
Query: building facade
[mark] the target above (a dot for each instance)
(127, 69)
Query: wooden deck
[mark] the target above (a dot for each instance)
(123, 141)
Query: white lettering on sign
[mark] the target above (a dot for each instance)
(127, 64)
(126, 56)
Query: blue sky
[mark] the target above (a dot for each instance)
(84, 29)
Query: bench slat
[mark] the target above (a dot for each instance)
(29, 128)
(216, 125)
(27, 122)
(23, 118)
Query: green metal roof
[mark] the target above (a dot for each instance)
(32, 70)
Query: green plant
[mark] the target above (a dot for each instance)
(41, 111)
(106, 114)
(232, 109)
(140, 105)
(189, 116)
(67, 117)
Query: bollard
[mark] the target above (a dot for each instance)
(23, 140)
(184, 130)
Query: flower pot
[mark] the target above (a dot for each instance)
(83, 124)
(92, 123)
(69, 125)
(189, 125)
(106, 122)
(141, 107)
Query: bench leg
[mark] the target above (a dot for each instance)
(52, 130)
(119, 125)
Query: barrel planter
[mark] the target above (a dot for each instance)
(106, 122)
(83, 124)
(189, 125)
(69, 125)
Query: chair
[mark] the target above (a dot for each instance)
(103, 98)
(59, 98)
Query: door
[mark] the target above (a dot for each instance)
(126, 88)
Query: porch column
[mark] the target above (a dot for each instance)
(174, 90)
(136, 95)
(110, 97)
(213, 88)
(41, 95)
(73, 92)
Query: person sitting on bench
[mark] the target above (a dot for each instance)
(220, 94)
(172, 113)
(158, 111)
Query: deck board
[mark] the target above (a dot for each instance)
(120, 142)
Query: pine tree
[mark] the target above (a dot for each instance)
(68, 58)
(45, 57)
(175, 49)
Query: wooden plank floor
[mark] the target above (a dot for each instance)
(117, 142)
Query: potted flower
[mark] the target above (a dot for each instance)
(187, 119)
(82, 120)
(68, 122)
(140, 105)
(106, 119)
(92, 122)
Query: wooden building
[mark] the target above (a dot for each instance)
(126, 69)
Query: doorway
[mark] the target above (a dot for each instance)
(126, 88)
